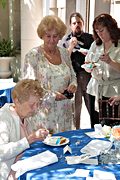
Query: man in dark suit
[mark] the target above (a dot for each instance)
(78, 42)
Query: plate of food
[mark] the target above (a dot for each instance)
(56, 141)
(88, 66)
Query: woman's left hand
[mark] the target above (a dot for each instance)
(106, 58)
(71, 88)
(59, 96)
(11, 175)
(114, 100)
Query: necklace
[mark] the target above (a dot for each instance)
(53, 56)
(49, 54)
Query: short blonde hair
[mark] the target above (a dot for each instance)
(51, 22)
(25, 88)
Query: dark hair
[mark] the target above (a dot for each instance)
(75, 14)
(110, 23)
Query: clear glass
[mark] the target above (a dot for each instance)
(112, 156)
(117, 148)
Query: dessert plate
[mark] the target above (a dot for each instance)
(56, 141)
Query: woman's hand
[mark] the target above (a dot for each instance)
(88, 66)
(11, 175)
(114, 100)
(106, 58)
(38, 135)
(112, 62)
(72, 88)
(60, 96)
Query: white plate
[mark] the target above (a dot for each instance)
(84, 51)
(51, 141)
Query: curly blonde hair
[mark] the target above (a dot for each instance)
(51, 22)
(25, 88)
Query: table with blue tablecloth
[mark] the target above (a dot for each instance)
(61, 170)
(6, 86)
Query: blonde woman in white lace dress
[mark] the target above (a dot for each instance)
(51, 65)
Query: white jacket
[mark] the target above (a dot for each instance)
(10, 143)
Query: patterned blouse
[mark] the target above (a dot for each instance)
(56, 115)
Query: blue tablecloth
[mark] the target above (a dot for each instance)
(61, 169)
(6, 86)
(5, 96)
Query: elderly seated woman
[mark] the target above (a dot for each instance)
(14, 136)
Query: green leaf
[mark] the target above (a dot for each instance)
(3, 2)
(6, 48)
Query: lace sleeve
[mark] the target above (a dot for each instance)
(30, 65)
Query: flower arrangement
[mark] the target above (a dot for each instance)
(106, 130)
(116, 132)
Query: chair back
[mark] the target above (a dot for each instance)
(109, 115)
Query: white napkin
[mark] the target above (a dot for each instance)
(80, 173)
(103, 175)
(94, 134)
(95, 147)
(77, 160)
(67, 149)
(100, 132)
(38, 161)
(97, 174)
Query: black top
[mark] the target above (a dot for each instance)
(84, 41)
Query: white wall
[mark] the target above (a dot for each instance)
(31, 14)
(97, 7)
(115, 10)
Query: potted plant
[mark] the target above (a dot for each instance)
(3, 3)
(7, 54)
